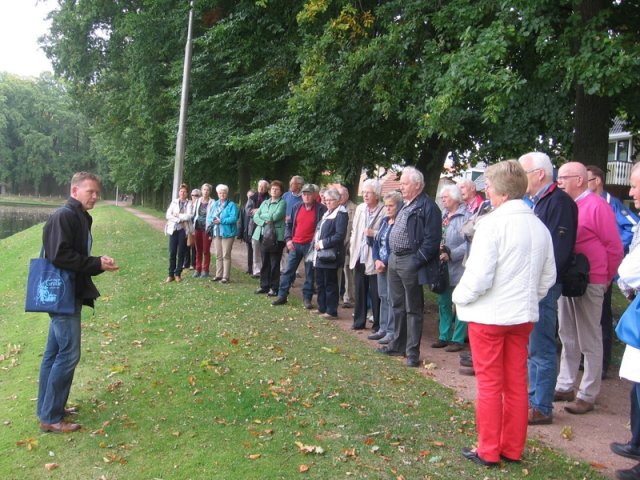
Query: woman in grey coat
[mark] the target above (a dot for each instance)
(454, 247)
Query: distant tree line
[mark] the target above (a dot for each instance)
(44, 137)
(309, 86)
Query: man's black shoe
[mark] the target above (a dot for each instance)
(475, 458)
(307, 304)
(391, 353)
(625, 450)
(630, 474)
(412, 363)
(279, 301)
(261, 290)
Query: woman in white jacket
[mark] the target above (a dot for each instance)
(178, 225)
(509, 270)
(629, 283)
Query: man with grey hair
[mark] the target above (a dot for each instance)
(414, 244)
(559, 213)
(291, 198)
(472, 199)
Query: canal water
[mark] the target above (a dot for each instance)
(17, 217)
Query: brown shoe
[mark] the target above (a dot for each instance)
(454, 347)
(60, 427)
(559, 396)
(536, 417)
(169, 279)
(178, 278)
(579, 407)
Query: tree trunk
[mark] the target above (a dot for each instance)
(591, 134)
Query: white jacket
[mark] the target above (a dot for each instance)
(177, 220)
(357, 232)
(509, 270)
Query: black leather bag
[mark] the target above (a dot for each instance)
(576, 278)
(442, 283)
(326, 255)
(269, 238)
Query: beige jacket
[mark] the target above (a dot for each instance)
(358, 243)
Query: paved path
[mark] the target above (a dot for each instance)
(585, 437)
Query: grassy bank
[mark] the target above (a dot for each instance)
(200, 380)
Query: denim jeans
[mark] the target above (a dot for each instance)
(386, 312)
(543, 354)
(289, 275)
(59, 361)
(177, 246)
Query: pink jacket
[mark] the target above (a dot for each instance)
(598, 238)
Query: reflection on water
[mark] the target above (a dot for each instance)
(15, 218)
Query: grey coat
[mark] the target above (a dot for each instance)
(456, 242)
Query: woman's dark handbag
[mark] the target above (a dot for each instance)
(326, 255)
(269, 238)
(628, 328)
(442, 283)
(50, 289)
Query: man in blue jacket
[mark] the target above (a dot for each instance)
(559, 213)
(414, 245)
(67, 244)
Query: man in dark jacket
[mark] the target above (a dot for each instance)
(414, 244)
(298, 235)
(559, 213)
(67, 244)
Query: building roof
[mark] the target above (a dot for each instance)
(618, 127)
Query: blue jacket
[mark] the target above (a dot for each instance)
(332, 234)
(381, 242)
(559, 212)
(424, 227)
(625, 218)
(228, 218)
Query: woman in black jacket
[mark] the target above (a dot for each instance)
(328, 253)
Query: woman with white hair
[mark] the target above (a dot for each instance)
(452, 251)
(328, 253)
(366, 222)
(222, 224)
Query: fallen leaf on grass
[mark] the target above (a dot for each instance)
(234, 341)
(309, 448)
(567, 432)
(350, 452)
(50, 466)
(255, 456)
(29, 443)
(597, 466)
(303, 468)
(192, 380)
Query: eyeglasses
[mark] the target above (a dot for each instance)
(562, 178)
(195, 195)
(591, 179)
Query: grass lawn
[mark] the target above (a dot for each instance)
(206, 381)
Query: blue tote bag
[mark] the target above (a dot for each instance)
(628, 328)
(50, 289)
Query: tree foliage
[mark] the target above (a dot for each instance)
(44, 139)
(314, 86)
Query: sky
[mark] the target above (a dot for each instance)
(21, 23)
